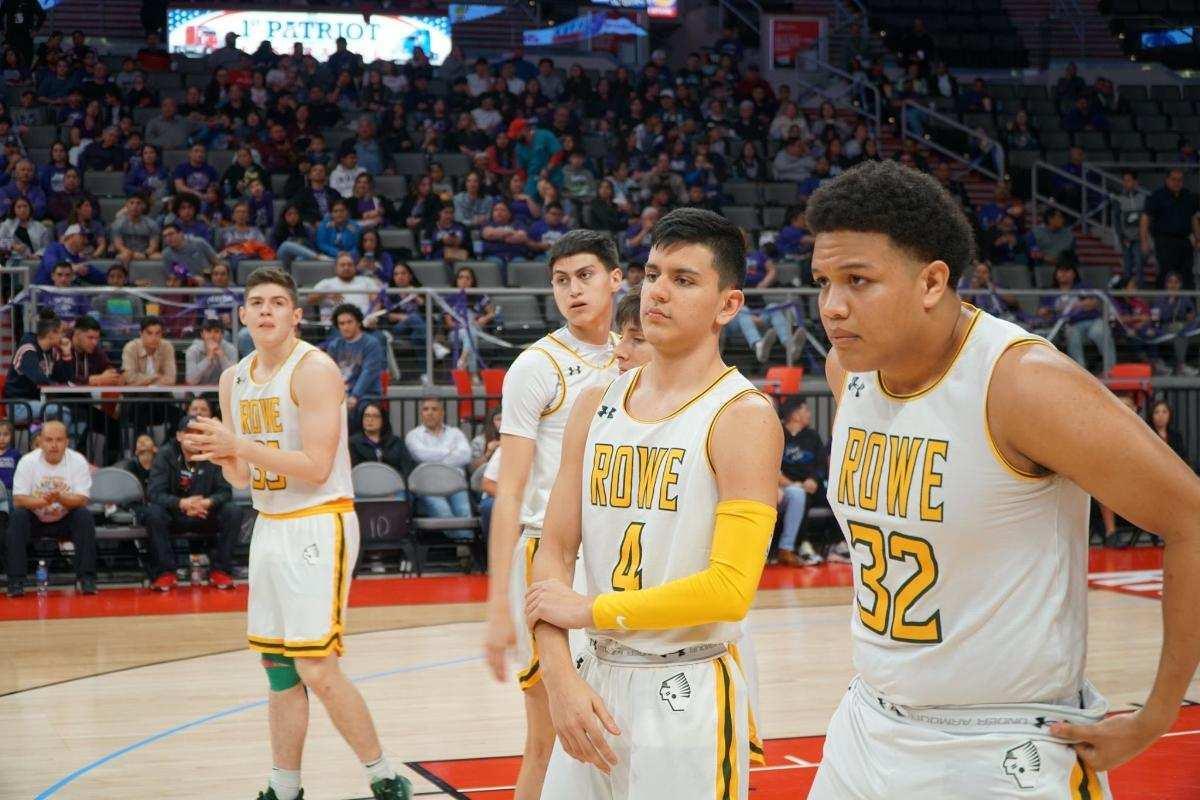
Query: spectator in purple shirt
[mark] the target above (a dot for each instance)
(24, 185)
(196, 174)
(794, 239)
(447, 239)
(148, 177)
(1084, 319)
(70, 248)
(503, 238)
(548, 230)
(185, 215)
(50, 176)
(68, 305)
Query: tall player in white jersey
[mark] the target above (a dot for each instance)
(283, 434)
(539, 391)
(963, 453)
(667, 482)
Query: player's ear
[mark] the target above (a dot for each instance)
(934, 282)
(732, 302)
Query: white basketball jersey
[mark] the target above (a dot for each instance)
(970, 577)
(649, 503)
(268, 413)
(574, 372)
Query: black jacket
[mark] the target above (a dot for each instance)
(32, 367)
(390, 451)
(310, 210)
(165, 489)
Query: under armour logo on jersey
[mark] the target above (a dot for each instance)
(856, 385)
(311, 554)
(607, 412)
(1023, 764)
(574, 370)
(239, 379)
(676, 692)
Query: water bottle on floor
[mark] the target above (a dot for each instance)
(43, 577)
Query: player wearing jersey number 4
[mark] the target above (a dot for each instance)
(283, 434)
(667, 482)
(962, 456)
(539, 391)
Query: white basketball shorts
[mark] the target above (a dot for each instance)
(519, 578)
(300, 568)
(684, 733)
(874, 753)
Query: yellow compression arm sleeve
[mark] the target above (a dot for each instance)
(721, 593)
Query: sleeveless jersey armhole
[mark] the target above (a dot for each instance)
(713, 422)
(1008, 466)
(292, 377)
(562, 382)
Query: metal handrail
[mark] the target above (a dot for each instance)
(929, 142)
(1099, 216)
(853, 84)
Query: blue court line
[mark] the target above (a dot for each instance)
(138, 745)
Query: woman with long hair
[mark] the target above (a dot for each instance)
(293, 237)
(420, 208)
(1162, 419)
(373, 260)
(367, 208)
(86, 215)
(376, 442)
(472, 313)
(50, 175)
(21, 234)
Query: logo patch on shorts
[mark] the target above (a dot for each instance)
(676, 692)
(1023, 764)
(311, 554)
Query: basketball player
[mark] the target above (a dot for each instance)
(284, 435)
(539, 390)
(963, 453)
(667, 482)
(631, 349)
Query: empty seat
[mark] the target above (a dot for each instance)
(1162, 141)
(411, 163)
(1168, 91)
(1177, 109)
(744, 194)
(105, 184)
(307, 273)
(109, 206)
(41, 135)
(527, 273)
(552, 313)
(397, 239)
(1133, 92)
(430, 273)
(149, 271)
(774, 217)
(520, 311)
(1154, 124)
(780, 194)
(1011, 276)
(455, 164)
(743, 216)
(1091, 140)
(393, 187)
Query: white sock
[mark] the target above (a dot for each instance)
(285, 782)
(379, 770)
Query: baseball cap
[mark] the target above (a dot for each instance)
(73, 230)
(516, 127)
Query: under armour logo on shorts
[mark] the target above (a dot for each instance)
(607, 412)
(574, 370)
(676, 692)
(856, 385)
(311, 554)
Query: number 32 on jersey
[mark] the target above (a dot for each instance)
(888, 616)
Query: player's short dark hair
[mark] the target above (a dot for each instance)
(710, 230)
(150, 321)
(909, 207)
(348, 308)
(581, 240)
(276, 277)
(87, 323)
(629, 310)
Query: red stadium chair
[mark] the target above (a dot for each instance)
(493, 385)
(1130, 377)
(783, 381)
(462, 385)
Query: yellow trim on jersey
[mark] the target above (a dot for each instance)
(529, 676)
(342, 506)
(712, 423)
(953, 360)
(1085, 783)
(292, 377)
(727, 751)
(254, 359)
(987, 428)
(638, 376)
(757, 754)
(562, 381)
(578, 355)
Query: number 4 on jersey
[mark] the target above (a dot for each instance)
(627, 574)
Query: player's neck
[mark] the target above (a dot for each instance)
(682, 374)
(931, 352)
(595, 333)
(269, 359)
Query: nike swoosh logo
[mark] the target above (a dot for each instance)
(621, 623)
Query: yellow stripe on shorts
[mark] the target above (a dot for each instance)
(1085, 783)
(727, 772)
(757, 753)
(528, 677)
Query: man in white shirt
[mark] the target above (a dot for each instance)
(51, 486)
(342, 179)
(209, 355)
(433, 442)
(347, 286)
(480, 81)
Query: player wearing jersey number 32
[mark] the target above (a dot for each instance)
(667, 483)
(283, 434)
(962, 456)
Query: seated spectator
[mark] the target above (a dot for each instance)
(1052, 243)
(62, 202)
(186, 257)
(50, 176)
(635, 273)
(548, 230)
(69, 248)
(1162, 420)
(23, 184)
(185, 215)
(579, 182)
(603, 213)
(168, 130)
(789, 123)
(636, 244)
(367, 208)
(434, 442)
(337, 233)
(316, 200)
(982, 291)
(376, 442)
(1174, 313)
(293, 237)
(986, 152)
(9, 456)
(1020, 134)
(53, 89)
(341, 180)
(144, 450)
(1084, 318)
(760, 274)
(195, 175)
(1070, 85)
(67, 305)
(21, 235)
(51, 487)
(420, 208)
(37, 362)
(358, 354)
(1082, 116)
(88, 365)
(802, 475)
(792, 163)
(503, 238)
(1003, 243)
(189, 496)
(279, 153)
(471, 207)
(472, 313)
(346, 286)
(105, 155)
(244, 169)
(952, 185)
(261, 204)
(86, 216)
(448, 240)
(149, 360)
(978, 99)
(241, 239)
(820, 174)
(222, 302)
(794, 240)
(406, 315)
(748, 166)
(209, 355)
(135, 236)
(373, 260)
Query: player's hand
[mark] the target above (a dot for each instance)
(210, 439)
(1111, 742)
(810, 485)
(500, 636)
(558, 604)
(580, 720)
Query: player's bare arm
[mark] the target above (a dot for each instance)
(319, 391)
(502, 538)
(1048, 415)
(575, 708)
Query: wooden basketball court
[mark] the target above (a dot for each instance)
(136, 695)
